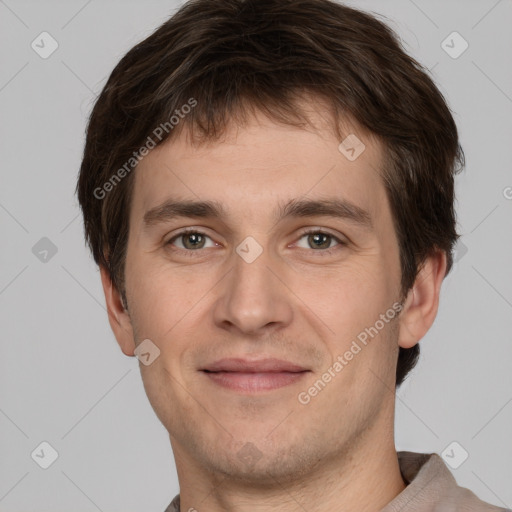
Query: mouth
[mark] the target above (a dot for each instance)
(247, 376)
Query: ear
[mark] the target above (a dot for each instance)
(118, 316)
(421, 304)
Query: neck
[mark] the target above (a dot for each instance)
(365, 479)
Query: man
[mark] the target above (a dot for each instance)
(267, 187)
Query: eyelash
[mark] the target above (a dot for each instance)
(190, 253)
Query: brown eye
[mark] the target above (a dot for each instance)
(320, 241)
(189, 240)
(192, 240)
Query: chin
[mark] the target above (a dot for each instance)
(261, 461)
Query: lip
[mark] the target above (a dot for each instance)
(268, 365)
(247, 376)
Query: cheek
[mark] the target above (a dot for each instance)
(165, 301)
(355, 286)
(150, 296)
(352, 300)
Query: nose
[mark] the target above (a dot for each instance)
(253, 297)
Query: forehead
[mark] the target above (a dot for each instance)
(262, 163)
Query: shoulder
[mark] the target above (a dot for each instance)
(432, 487)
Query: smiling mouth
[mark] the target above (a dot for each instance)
(251, 376)
(250, 382)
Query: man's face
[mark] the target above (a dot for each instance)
(251, 285)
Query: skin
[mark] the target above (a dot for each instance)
(291, 303)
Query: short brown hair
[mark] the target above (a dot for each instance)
(231, 56)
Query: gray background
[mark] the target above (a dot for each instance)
(63, 378)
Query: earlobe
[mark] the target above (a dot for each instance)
(118, 316)
(421, 305)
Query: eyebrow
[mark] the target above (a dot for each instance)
(337, 208)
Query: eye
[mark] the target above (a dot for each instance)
(320, 240)
(191, 239)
